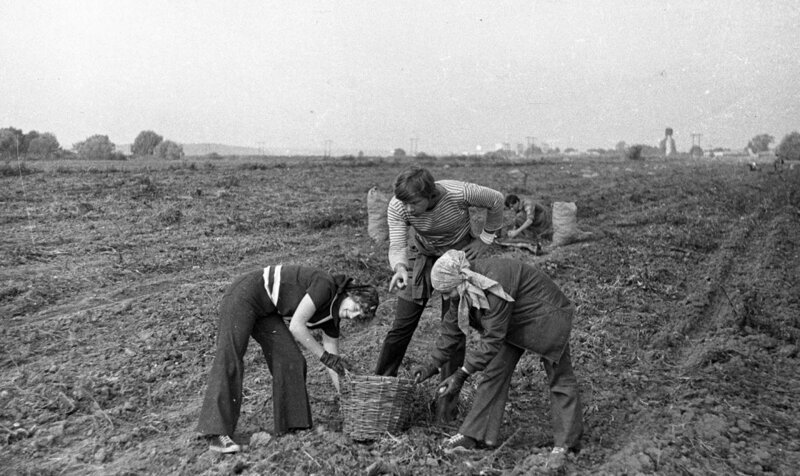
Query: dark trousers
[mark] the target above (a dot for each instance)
(246, 311)
(486, 415)
(407, 315)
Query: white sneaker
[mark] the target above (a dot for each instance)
(557, 458)
(224, 444)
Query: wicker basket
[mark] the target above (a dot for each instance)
(375, 405)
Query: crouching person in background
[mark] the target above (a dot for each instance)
(516, 307)
(532, 220)
(258, 304)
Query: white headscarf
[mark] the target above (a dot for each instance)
(452, 271)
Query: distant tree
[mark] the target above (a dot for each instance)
(532, 150)
(621, 146)
(760, 143)
(145, 143)
(789, 148)
(27, 139)
(399, 152)
(44, 145)
(11, 142)
(634, 152)
(168, 150)
(696, 151)
(97, 147)
(569, 150)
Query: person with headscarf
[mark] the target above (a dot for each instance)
(427, 218)
(516, 308)
(258, 304)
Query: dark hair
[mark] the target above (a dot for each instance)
(668, 131)
(414, 182)
(365, 296)
(511, 200)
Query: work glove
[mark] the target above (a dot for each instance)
(452, 384)
(335, 362)
(422, 373)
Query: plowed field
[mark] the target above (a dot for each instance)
(685, 340)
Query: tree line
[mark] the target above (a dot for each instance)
(15, 144)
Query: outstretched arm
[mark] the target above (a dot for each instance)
(331, 345)
(298, 327)
(529, 214)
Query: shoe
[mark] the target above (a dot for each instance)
(224, 444)
(459, 443)
(557, 458)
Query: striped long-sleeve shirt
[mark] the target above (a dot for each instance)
(447, 223)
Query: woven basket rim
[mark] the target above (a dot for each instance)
(379, 378)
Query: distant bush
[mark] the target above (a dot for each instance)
(8, 169)
(634, 152)
(696, 151)
(96, 147)
(168, 150)
(43, 146)
(789, 148)
(62, 154)
(145, 143)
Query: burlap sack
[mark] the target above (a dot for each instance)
(377, 228)
(565, 223)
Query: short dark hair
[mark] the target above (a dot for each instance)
(414, 182)
(511, 200)
(366, 296)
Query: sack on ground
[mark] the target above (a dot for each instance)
(377, 227)
(565, 224)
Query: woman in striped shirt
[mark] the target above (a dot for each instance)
(257, 304)
(427, 218)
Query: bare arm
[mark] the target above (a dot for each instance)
(529, 214)
(331, 345)
(299, 330)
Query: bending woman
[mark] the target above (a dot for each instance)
(258, 304)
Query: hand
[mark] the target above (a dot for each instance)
(475, 249)
(422, 373)
(399, 279)
(452, 384)
(335, 362)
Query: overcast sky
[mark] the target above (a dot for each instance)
(372, 75)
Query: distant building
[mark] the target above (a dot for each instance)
(667, 144)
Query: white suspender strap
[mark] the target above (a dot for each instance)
(272, 283)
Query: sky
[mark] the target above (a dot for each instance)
(434, 77)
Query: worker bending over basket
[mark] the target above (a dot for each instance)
(257, 304)
(516, 307)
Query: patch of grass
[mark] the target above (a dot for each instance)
(7, 169)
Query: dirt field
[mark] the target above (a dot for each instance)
(685, 341)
